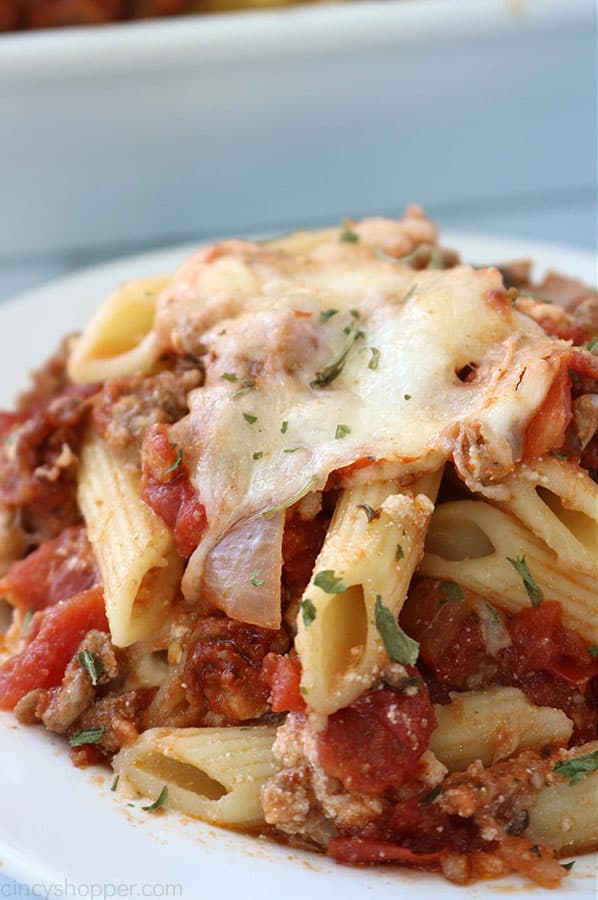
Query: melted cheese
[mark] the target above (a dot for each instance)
(266, 427)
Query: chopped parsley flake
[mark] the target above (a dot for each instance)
(369, 511)
(158, 802)
(91, 663)
(492, 614)
(407, 396)
(258, 454)
(114, 784)
(431, 797)
(533, 591)
(409, 293)
(256, 580)
(342, 431)
(308, 611)
(327, 314)
(26, 622)
(329, 582)
(355, 313)
(244, 390)
(87, 736)
(568, 866)
(327, 375)
(293, 449)
(177, 462)
(399, 554)
(375, 358)
(230, 376)
(398, 645)
(347, 236)
(283, 427)
(450, 590)
(577, 769)
(593, 345)
(593, 650)
(249, 418)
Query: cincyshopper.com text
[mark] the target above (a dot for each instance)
(69, 890)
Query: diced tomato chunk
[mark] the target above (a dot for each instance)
(167, 489)
(57, 570)
(283, 675)
(54, 639)
(546, 431)
(374, 743)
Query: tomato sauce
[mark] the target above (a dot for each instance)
(167, 489)
(55, 634)
(55, 571)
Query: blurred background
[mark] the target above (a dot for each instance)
(118, 138)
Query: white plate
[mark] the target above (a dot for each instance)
(63, 829)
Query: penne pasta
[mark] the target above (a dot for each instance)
(119, 339)
(374, 543)
(558, 502)
(140, 568)
(215, 774)
(565, 815)
(471, 542)
(493, 724)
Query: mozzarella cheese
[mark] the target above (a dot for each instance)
(321, 357)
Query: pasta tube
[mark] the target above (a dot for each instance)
(471, 542)
(215, 774)
(493, 724)
(374, 543)
(140, 568)
(119, 340)
(558, 502)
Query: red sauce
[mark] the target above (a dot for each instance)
(54, 636)
(55, 571)
(546, 431)
(167, 489)
(549, 662)
(283, 675)
(374, 743)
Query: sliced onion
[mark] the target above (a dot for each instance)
(241, 575)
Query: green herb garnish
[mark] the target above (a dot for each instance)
(283, 427)
(399, 554)
(327, 375)
(114, 784)
(593, 650)
(91, 663)
(406, 396)
(348, 236)
(369, 511)
(568, 866)
(329, 582)
(256, 580)
(177, 462)
(87, 736)
(327, 314)
(374, 359)
(258, 454)
(398, 645)
(249, 418)
(577, 769)
(450, 590)
(26, 622)
(158, 802)
(429, 799)
(342, 431)
(308, 611)
(533, 591)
